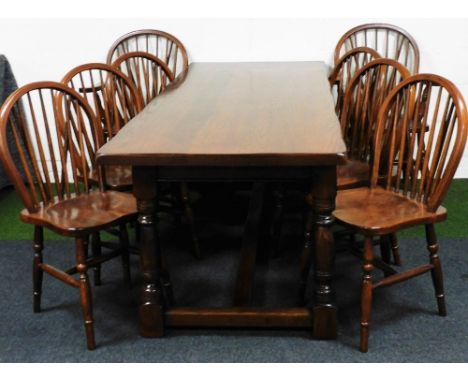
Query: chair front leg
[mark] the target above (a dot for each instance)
(436, 272)
(366, 293)
(85, 291)
(38, 273)
(395, 248)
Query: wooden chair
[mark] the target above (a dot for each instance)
(161, 44)
(411, 173)
(344, 71)
(388, 40)
(56, 135)
(115, 101)
(364, 96)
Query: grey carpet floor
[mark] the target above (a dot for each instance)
(405, 326)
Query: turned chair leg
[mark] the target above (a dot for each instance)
(37, 270)
(85, 291)
(306, 258)
(96, 251)
(436, 272)
(395, 248)
(125, 255)
(366, 293)
(185, 196)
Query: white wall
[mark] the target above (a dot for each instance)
(45, 49)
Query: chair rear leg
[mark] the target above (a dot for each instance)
(366, 293)
(38, 273)
(395, 248)
(385, 249)
(124, 248)
(96, 250)
(85, 291)
(436, 272)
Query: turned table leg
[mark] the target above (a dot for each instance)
(150, 309)
(324, 308)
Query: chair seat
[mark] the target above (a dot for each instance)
(378, 211)
(353, 174)
(85, 213)
(118, 178)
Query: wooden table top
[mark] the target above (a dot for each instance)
(236, 114)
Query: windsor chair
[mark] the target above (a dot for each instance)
(344, 71)
(365, 94)
(114, 100)
(161, 44)
(57, 135)
(411, 173)
(388, 40)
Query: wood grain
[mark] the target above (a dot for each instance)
(278, 113)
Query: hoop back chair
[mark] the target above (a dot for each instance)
(388, 40)
(411, 174)
(344, 71)
(115, 101)
(56, 135)
(149, 74)
(365, 94)
(160, 44)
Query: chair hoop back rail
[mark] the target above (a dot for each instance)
(365, 94)
(158, 43)
(110, 93)
(388, 40)
(149, 74)
(344, 71)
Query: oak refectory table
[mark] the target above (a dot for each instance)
(258, 122)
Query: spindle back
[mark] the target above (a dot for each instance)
(388, 40)
(161, 44)
(149, 74)
(344, 71)
(110, 93)
(420, 138)
(366, 93)
(56, 135)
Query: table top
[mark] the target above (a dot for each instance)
(236, 114)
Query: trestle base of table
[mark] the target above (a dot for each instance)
(320, 318)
